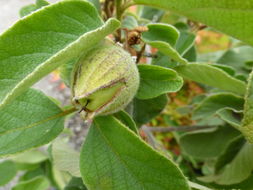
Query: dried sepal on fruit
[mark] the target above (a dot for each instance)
(104, 80)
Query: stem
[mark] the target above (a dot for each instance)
(68, 111)
(171, 129)
(119, 13)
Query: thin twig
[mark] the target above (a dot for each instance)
(179, 128)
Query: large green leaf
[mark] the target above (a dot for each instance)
(7, 171)
(114, 158)
(38, 183)
(42, 41)
(156, 80)
(247, 123)
(232, 17)
(216, 102)
(145, 110)
(207, 144)
(29, 121)
(163, 37)
(212, 76)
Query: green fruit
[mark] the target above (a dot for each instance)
(104, 81)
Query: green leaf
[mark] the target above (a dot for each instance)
(185, 42)
(231, 116)
(145, 110)
(96, 3)
(237, 57)
(38, 183)
(46, 39)
(26, 10)
(114, 158)
(41, 3)
(247, 123)
(238, 170)
(30, 157)
(151, 13)
(129, 22)
(65, 158)
(230, 17)
(230, 152)
(7, 171)
(29, 121)
(163, 37)
(216, 102)
(212, 76)
(156, 80)
(123, 117)
(75, 184)
(207, 144)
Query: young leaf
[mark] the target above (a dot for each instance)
(145, 110)
(123, 117)
(230, 17)
(212, 76)
(114, 158)
(216, 102)
(38, 183)
(65, 158)
(30, 157)
(46, 39)
(199, 145)
(247, 123)
(7, 171)
(26, 10)
(229, 153)
(156, 80)
(238, 170)
(231, 116)
(29, 121)
(163, 37)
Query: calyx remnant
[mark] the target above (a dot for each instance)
(104, 80)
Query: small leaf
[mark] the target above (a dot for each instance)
(114, 158)
(30, 157)
(7, 171)
(29, 121)
(26, 10)
(230, 17)
(163, 37)
(151, 13)
(199, 145)
(238, 170)
(126, 120)
(38, 183)
(96, 3)
(65, 158)
(145, 110)
(46, 39)
(156, 80)
(231, 116)
(75, 184)
(230, 152)
(216, 102)
(212, 76)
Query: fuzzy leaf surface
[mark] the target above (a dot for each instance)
(114, 158)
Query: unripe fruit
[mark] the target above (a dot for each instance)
(105, 80)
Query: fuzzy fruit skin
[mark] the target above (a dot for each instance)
(105, 71)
